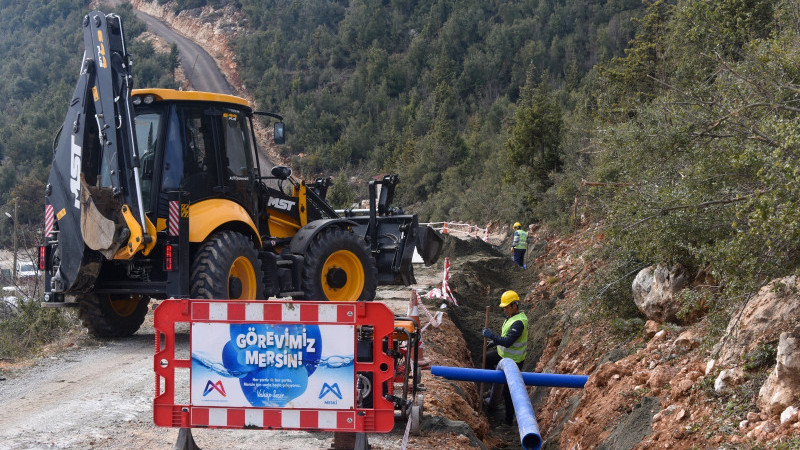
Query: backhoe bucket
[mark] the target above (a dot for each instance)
(429, 244)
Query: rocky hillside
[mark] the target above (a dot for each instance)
(656, 381)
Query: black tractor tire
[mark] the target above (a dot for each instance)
(112, 315)
(227, 267)
(338, 266)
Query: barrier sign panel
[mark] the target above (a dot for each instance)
(263, 365)
(275, 365)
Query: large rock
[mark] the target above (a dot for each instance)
(655, 292)
(728, 379)
(782, 388)
(773, 310)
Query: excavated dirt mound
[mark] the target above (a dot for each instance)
(454, 247)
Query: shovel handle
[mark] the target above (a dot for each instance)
(483, 362)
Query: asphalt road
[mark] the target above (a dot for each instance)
(200, 68)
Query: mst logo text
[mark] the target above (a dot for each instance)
(281, 203)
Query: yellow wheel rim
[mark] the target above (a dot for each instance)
(342, 277)
(246, 273)
(124, 306)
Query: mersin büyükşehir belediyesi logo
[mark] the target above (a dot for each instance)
(214, 387)
(330, 389)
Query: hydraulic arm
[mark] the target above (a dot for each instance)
(94, 185)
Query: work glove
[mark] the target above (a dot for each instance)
(487, 333)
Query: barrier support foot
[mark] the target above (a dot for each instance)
(347, 441)
(185, 440)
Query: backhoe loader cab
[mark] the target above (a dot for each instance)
(157, 193)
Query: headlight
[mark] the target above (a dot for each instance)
(149, 99)
(137, 100)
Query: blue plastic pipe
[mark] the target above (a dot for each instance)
(529, 435)
(496, 376)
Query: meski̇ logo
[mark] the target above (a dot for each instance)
(214, 387)
(330, 389)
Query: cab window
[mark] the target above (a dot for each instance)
(147, 131)
(236, 141)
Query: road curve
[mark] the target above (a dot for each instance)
(199, 66)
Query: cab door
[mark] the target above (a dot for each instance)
(236, 159)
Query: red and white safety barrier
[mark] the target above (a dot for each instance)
(203, 315)
(413, 311)
(273, 418)
(444, 291)
(460, 229)
(274, 311)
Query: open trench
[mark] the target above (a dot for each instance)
(479, 274)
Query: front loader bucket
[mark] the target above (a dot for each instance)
(429, 244)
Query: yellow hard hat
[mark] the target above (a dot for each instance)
(517, 225)
(508, 298)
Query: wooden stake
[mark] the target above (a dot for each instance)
(483, 362)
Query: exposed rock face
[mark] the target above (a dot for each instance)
(655, 289)
(782, 388)
(772, 311)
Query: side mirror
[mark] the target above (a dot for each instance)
(281, 172)
(278, 136)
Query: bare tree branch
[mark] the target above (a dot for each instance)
(663, 211)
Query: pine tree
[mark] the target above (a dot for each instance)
(534, 145)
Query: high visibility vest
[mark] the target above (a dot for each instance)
(523, 239)
(519, 349)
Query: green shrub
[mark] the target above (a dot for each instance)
(32, 327)
(764, 355)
